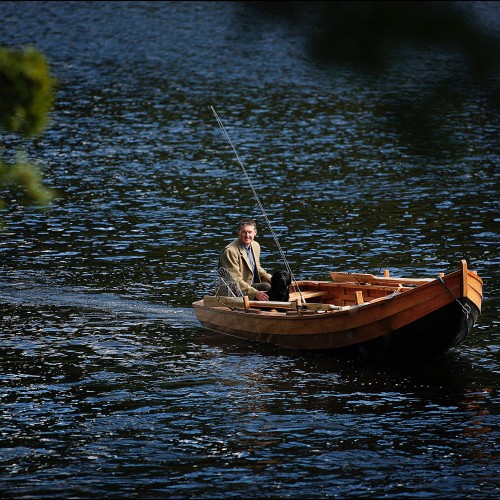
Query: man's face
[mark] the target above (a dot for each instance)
(247, 234)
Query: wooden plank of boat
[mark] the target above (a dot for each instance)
(307, 294)
(239, 302)
(343, 277)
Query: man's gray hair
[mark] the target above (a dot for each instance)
(246, 222)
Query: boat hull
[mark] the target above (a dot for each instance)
(429, 336)
(424, 321)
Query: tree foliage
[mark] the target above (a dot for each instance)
(27, 94)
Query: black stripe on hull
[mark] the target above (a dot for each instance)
(428, 337)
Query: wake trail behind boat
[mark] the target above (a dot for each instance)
(46, 295)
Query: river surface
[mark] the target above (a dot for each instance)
(109, 386)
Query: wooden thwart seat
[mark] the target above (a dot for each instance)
(370, 278)
(306, 295)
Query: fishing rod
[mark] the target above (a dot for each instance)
(285, 261)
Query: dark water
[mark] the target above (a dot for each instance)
(109, 386)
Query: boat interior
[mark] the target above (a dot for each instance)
(350, 289)
(344, 291)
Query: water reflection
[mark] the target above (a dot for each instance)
(120, 388)
(111, 388)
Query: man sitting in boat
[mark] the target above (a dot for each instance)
(242, 259)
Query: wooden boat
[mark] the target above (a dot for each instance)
(374, 316)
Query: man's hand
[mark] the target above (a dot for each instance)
(261, 296)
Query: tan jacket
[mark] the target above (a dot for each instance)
(234, 259)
